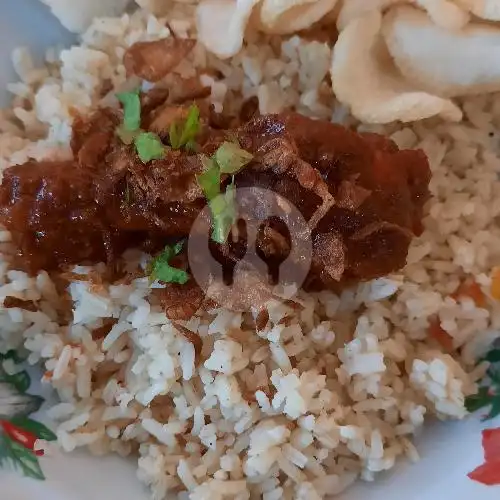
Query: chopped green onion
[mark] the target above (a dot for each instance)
(177, 248)
(160, 269)
(231, 158)
(131, 110)
(223, 209)
(189, 130)
(149, 146)
(209, 180)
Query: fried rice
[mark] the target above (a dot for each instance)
(330, 390)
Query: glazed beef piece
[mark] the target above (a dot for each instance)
(378, 192)
(48, 208)
(153, 60)
(363, 198)
(94, 207)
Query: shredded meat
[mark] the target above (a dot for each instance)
(249, 109)
(180, 301)
(91, 136)
(167, 116)
(11, 302)
(361, 196)
(170, 179)
(351, 196)
(153, 60)
(100, 332)
(187, 90)
(376, 221)
(194, 339)
(273, 243)
(261, 320)
(329, 256)
(152, 99)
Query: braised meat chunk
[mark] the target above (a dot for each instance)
(48, 208)
(361, 196)
(378, 192)
(153, 60)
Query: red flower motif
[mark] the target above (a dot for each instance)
(489, 472)
(23, 437)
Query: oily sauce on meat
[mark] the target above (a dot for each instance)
(105, 200)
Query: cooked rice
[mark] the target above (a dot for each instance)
(294, 411)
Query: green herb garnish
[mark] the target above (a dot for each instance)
(149, 146)
(131, 110)
(160, 269)
(493, 356)
(184, 135)
(231, 158)
(209, 180)
(488, 394)
(224, 213)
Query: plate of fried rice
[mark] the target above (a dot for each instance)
(250, 249)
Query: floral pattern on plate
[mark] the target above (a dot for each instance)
(20, 435)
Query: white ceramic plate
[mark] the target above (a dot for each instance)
(449, 451)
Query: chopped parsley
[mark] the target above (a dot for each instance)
(147, 144)
(183, 135)
(209, 180)
(488, 394)
(229, 158)
(131, 110)
(160, 269)
(224, 214)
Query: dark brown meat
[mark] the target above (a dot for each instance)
(180, 301)
(379, 192)
(249, 109)
(188, 90)
(28, 305)
(361, 197)
(100, 332)
(169, 180)
(351, 195)
(261, 320)
(62, 213)
(166, 116)
(153, 60)
(153, 99)
(194, 339)
(329, 260)
(49, 209)
(92, 135)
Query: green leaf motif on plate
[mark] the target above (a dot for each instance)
(493, 356)
(40, 430)
(478, 401)
(26, 460)
(488, 394)
(21, 381)
(16, 456)
(15, 356)
(19, 433)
